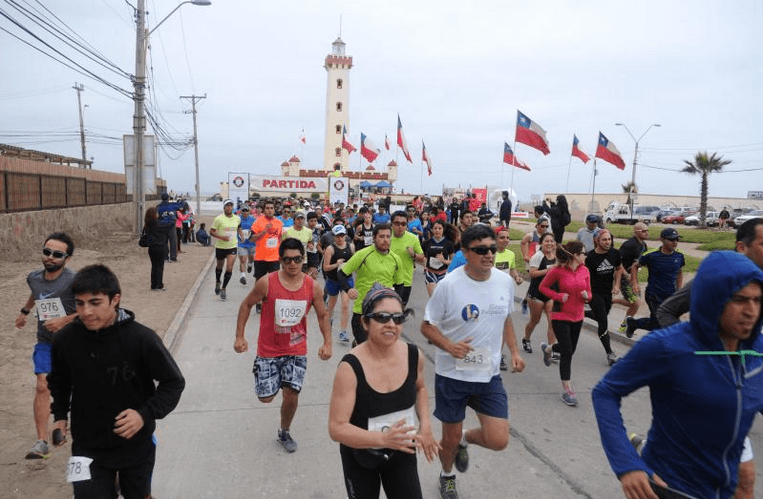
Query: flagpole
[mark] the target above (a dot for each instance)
(515, 160)
(567, 185)
(593, 186)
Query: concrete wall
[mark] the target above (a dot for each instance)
(26, 231)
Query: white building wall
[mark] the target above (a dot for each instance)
(337, 67)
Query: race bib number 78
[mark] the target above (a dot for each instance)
(78, 469)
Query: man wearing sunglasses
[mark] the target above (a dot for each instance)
(286, 296)
(468, 319)
(665, 278)
(52, 297)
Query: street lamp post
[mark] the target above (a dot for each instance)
(635, 158)
(139, 117)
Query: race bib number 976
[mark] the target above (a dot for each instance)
(50, 308)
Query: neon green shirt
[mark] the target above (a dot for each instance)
(226, 226)
(370, 266)
(305, 235)
(505, 260)
(398, 245)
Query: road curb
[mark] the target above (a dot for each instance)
(171, 338)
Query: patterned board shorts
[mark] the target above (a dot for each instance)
(627, 291)
(271, 373)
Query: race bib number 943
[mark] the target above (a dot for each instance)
(289, 312)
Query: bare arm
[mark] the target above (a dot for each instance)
(433, 334)
(524, 245)
(255, 296)
(424, 439)
(324, 352)
(342, 431)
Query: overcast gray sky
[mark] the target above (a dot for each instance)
(455, 71)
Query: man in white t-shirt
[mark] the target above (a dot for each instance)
(468, 319)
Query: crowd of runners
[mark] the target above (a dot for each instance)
(304, 256)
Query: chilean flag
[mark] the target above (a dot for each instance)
(302, 137)
(510, 159)
(531, 133)
(609, 153)
(345, 143)
(577, 152)
(401, 140)
(367, 148)
(386, 142)
(425, 158)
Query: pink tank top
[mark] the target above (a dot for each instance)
(283, 323)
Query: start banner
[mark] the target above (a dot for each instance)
(289, 184)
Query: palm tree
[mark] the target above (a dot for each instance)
(629, 188)
(704, 165)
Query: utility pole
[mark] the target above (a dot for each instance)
(194, 99)
(81, 88)
(139, 116)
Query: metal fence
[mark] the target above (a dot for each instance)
(32, 191)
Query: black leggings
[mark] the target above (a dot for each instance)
(399, 476)
(600, 307)
(567, 334)
(156, 254)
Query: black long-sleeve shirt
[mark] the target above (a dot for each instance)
(98, 374)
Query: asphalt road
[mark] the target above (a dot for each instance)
(221, 441)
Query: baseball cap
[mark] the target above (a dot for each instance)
(299, 214)
(339, 229)
(245, 208)
(227, 201)
(592, 219)
(670, 233)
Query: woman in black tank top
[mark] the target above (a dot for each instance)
(378, 394)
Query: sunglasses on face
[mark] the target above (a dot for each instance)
(291, 259)
(483, 250)
(54, 254)
(543, 226)
(384, 317)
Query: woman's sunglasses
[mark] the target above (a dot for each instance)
(54, 254)
(384, 317)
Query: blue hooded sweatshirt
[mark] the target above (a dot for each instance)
(702, 405)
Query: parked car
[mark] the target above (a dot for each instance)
(711, 219)
(675, 217)
(215, 197)
(747, 216)
(658, 216)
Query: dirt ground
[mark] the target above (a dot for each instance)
(44, 478)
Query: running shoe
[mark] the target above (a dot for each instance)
(612, 358)
(524, 307)
(344, 337)
(462, 458)
(258, 308)
(249, 269)
(39, 450)
(546, 355)
(242, 280)
(504, 367)
(622, 327)
(448, 487)
(223, 295)
(527, 346)
(556, 357)
(217, 288)
(286, 441)
(569, 398)
(630, 327)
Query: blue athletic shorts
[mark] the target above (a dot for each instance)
(271, 373)
(452, 396)
(333, 287)
(41, 358)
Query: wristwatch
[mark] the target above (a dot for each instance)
(25, 311)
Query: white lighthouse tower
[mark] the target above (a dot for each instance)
(337, 106)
